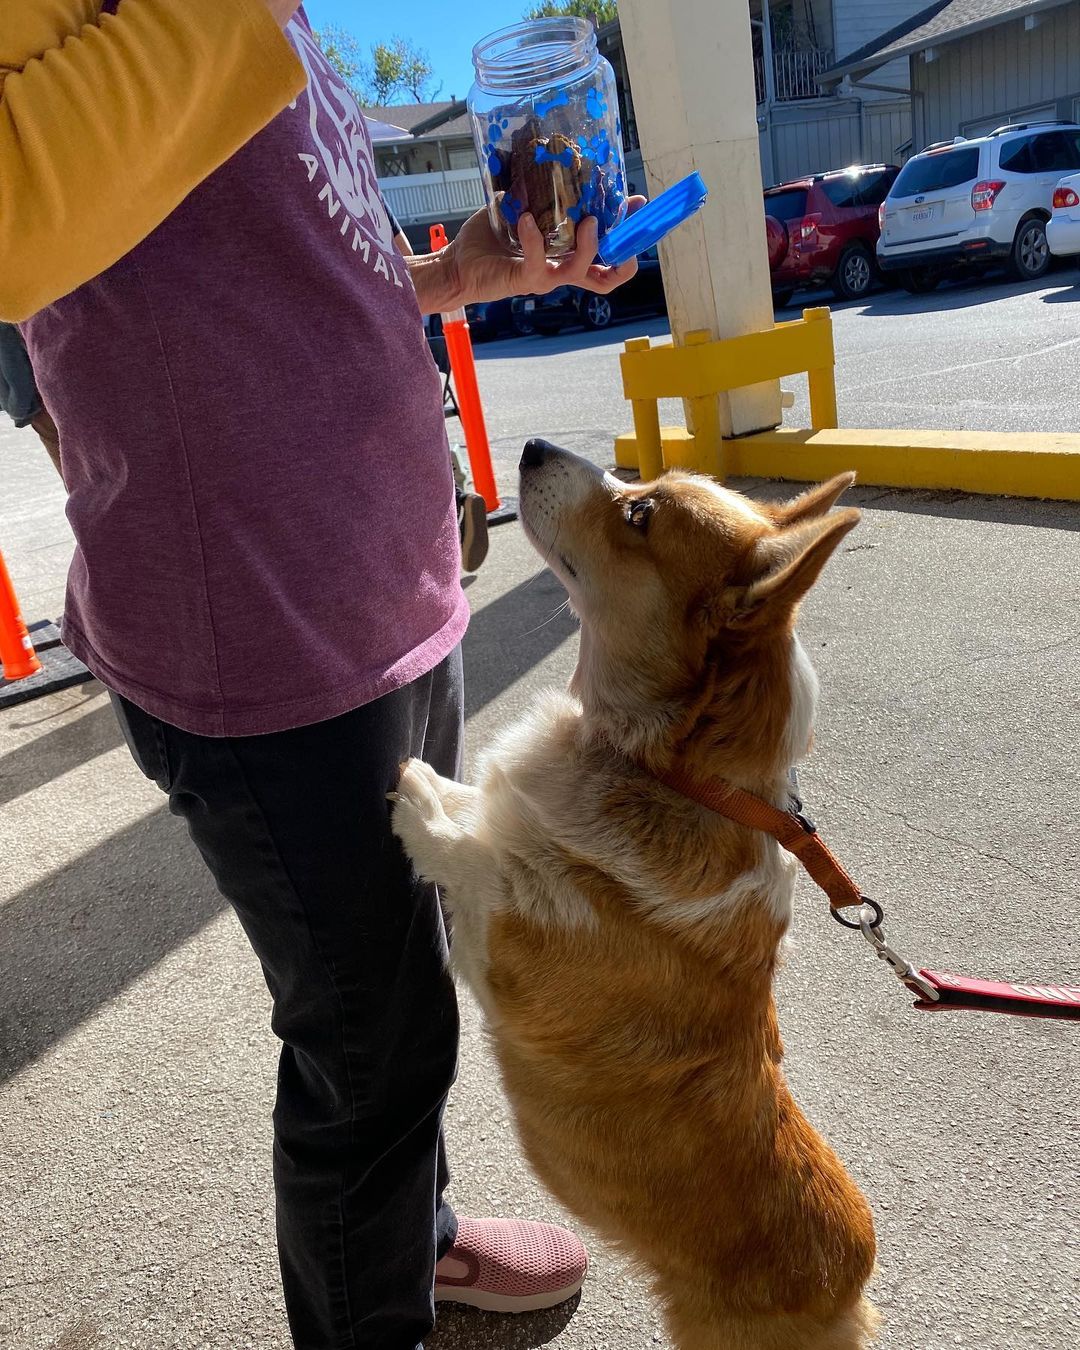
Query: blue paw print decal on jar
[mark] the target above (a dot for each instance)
(497, 124)
(594, 104)
(511, 207)
(597, 148)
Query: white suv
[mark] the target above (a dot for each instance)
(976, 202)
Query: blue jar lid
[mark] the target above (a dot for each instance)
(655, 219)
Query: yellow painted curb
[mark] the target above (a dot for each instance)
(1022, 464)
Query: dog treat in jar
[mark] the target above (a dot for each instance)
(545, 118)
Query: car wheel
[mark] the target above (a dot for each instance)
(854, 273)
(523, 327)
(919, 280)
(1030, 251)
(781, 299)
(597, 311)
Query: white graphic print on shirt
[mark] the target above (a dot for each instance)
(348, 185)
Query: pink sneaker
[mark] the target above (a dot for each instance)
(510, 1266)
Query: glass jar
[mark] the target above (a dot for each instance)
(545, 118)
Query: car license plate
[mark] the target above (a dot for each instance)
(927, 213)
(529, 306)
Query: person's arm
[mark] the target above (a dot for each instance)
(477, 265)
(107, 122)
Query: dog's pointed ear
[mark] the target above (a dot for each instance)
(783, 566)
(814, 502)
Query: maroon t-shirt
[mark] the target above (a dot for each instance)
(253, 442)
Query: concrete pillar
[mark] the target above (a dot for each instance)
(692, 72)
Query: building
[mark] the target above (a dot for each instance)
(426, 163)
(974, 65)
(805, 128)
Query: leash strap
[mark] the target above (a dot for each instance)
(1022, 1000)
(935, 989)
(793, 829)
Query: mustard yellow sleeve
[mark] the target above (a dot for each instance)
(106, 129)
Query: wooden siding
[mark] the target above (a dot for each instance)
(829, 135)
(997, 74)
(857, 22)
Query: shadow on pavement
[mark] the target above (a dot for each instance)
(928, 502)
(575, 339)
(54, 753)
(978, 289)
(460, 1328)
(79, 936)
(1069, 295)
(508, 637)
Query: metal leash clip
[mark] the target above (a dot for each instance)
(869, 924)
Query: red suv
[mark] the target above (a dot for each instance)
(823, 230)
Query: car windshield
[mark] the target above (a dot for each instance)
(786, 205)
(944, 169)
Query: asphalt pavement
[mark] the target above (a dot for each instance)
(136, 1064)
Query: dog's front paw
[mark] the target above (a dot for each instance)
(418, 818)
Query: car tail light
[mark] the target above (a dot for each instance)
(881, 218)
(806, 230)
(1064, 197)
(984, 194)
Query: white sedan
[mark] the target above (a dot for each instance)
(1063, 227)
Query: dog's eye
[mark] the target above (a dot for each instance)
(639, 512)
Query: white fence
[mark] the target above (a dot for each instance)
(429, 196)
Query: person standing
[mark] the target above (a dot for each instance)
(267, 573)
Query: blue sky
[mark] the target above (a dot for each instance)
(446, 31)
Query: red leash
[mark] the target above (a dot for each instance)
(936, 989)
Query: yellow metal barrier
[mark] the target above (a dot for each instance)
(1021, 465)
(701, 369)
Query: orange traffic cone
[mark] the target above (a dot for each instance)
(16, 649)
(463, 366)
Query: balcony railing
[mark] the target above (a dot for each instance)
(428, 196)
(794, 73)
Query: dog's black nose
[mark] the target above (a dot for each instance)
(534, 454)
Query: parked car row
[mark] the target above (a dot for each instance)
(1009, 198)
(974, 203)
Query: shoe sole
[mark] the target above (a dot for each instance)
(507, 1303)
(474, 539)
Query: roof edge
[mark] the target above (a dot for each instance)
(867, 61)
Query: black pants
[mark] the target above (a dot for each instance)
(295, 829)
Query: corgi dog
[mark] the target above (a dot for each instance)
(622, 940)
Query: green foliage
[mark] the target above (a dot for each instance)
(602, 11)
(394, 68)
(343, 52)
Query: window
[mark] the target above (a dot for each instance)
(875, 187)
(789, 204)
(461, 156)
(940, 169)
(1056, 151)
(843, 192)
(1018, 156)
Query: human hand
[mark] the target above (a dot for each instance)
(481, 266)
(282, 10)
